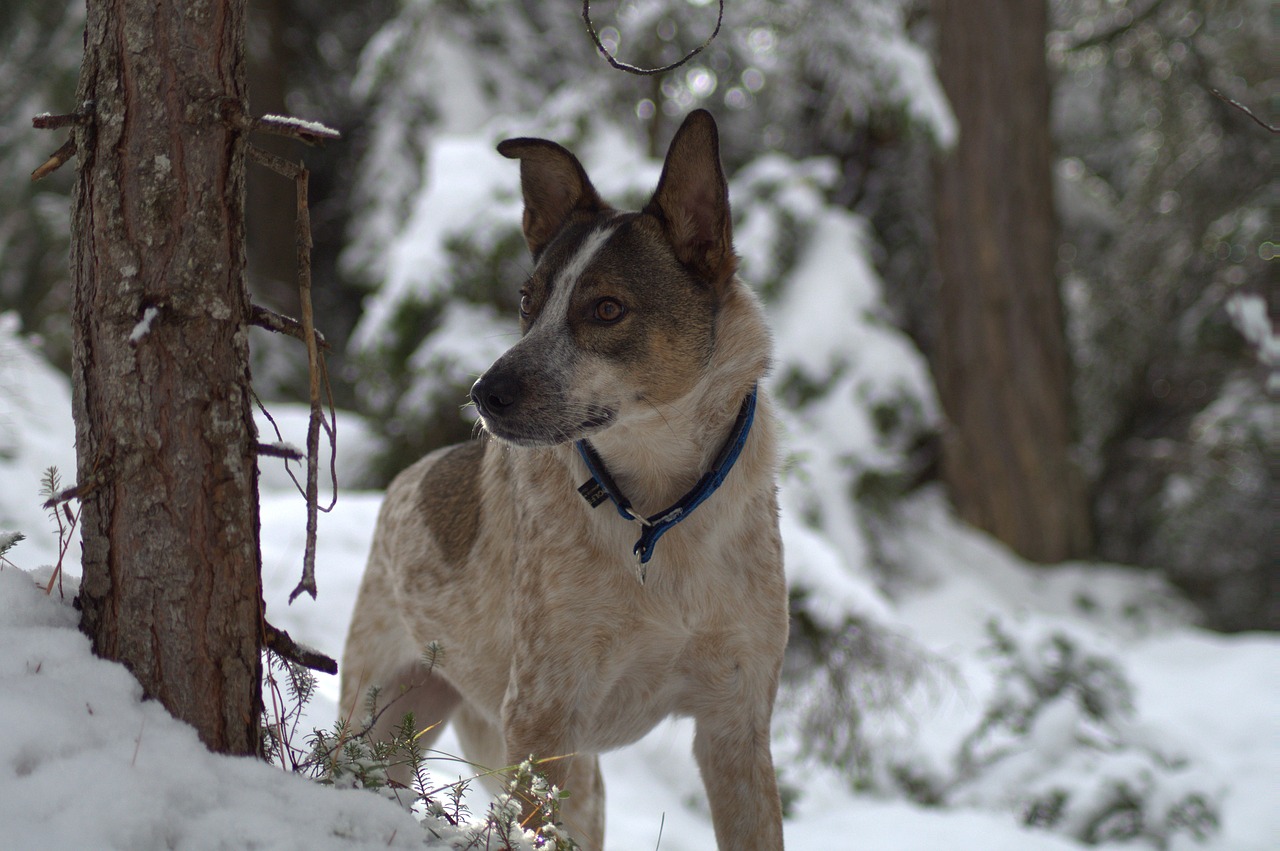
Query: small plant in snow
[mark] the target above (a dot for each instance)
(1058, 743)
(7, 541)
(281, 720)
(63, 518)
(350, 758)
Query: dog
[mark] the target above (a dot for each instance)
(607, 554)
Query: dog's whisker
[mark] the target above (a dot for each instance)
(662, 416)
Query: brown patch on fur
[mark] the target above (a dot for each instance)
(450, 499)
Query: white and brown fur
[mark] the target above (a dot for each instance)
(552, 646)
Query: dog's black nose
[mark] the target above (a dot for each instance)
(493, 395)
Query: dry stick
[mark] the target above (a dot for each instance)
(298, 172)
(308, 582)
(281, 324)
(64, 541)
(632, 69)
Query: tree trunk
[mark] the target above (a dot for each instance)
(1001, 361)
(164, 427)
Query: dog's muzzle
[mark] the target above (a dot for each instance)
(511, 411)
(494, 396)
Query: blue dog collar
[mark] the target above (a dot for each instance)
(601, 485)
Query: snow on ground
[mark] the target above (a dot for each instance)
(85, 764)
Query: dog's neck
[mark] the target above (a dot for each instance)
(656, 457)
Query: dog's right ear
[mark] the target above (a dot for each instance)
(554, 185)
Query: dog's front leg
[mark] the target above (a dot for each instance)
(742, 787)
(537, 723)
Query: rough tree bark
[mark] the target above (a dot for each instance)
(1001, 361)
(164, 427)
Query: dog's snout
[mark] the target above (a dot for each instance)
(494, 395)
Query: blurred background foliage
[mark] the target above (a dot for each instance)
(1163, 190)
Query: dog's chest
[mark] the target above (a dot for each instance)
(632, 653)
(644, 680)
(657, 656)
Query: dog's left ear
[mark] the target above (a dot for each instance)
(554, 185)
(692, 200)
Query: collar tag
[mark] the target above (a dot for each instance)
(593, 492)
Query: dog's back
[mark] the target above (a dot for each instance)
(636, 383)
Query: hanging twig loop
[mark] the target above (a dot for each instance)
(632, 69)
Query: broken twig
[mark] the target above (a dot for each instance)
(55, 161)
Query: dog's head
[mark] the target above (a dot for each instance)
(619, 313)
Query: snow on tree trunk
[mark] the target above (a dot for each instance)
(1001, 363)
(164, 429)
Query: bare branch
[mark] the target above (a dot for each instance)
(307, 132)
(1246, 110)
(279, 642)
(46, 121)
(308, 582)
(632, 69)
(300, 176)
(279, 450)
(281, 324)
(278, 164)
(55, 161)
(67, 495)
(1125, 20)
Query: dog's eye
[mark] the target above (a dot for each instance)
(609, 310)
(526, 304)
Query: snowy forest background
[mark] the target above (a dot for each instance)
(831, 118)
